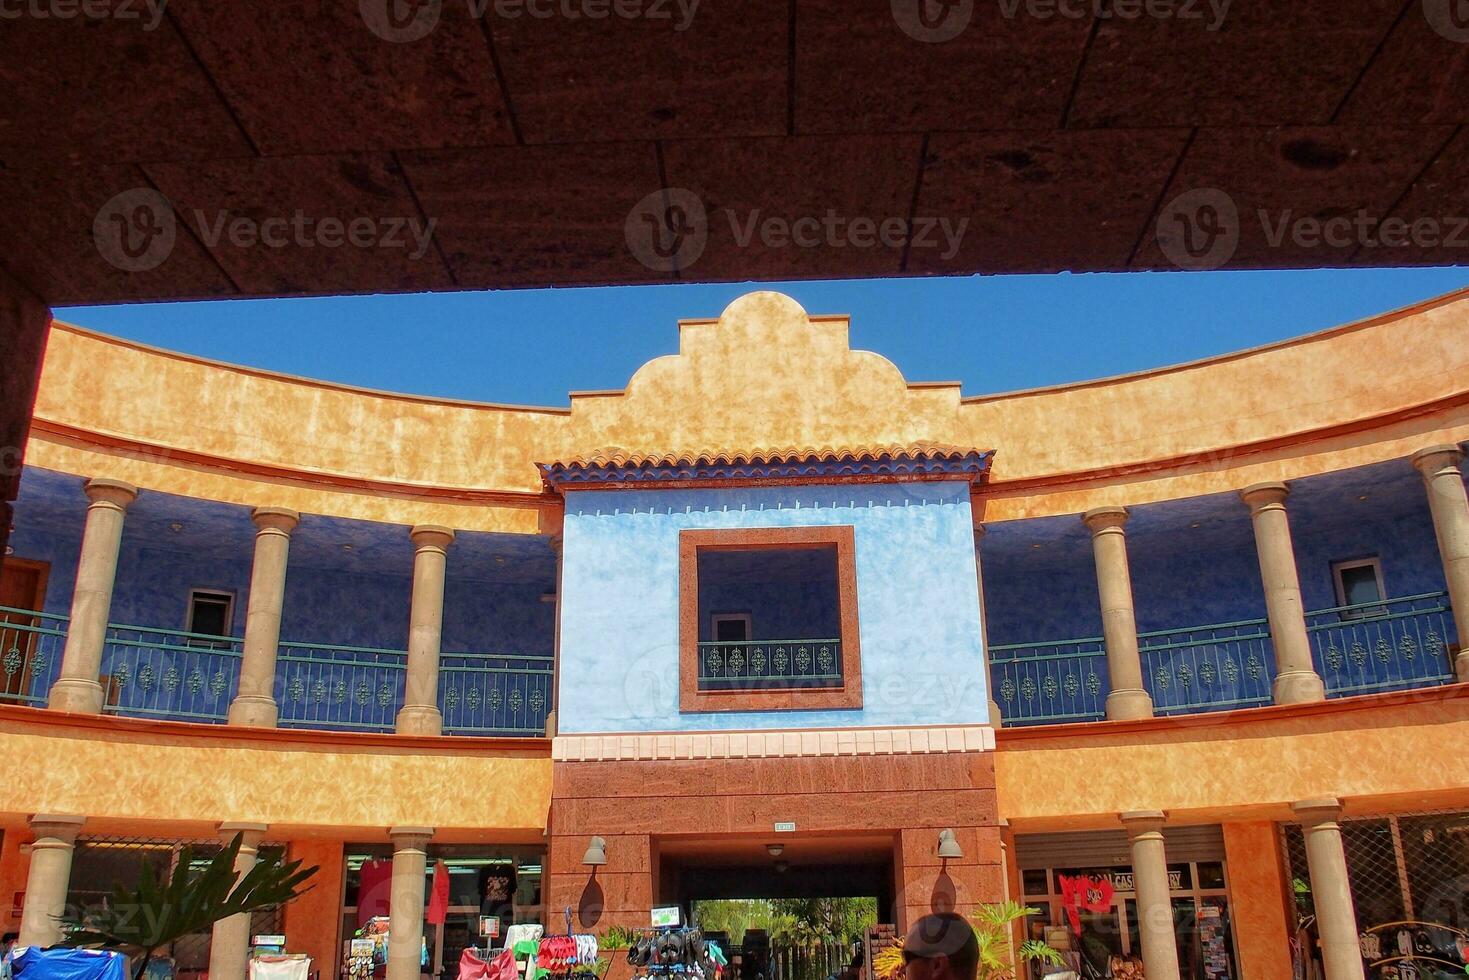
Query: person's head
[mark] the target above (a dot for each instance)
(941, 946)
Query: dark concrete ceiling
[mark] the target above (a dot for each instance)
(1060, 142)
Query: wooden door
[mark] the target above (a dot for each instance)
(22, 587)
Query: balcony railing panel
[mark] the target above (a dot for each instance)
(153, 673)
(320, 685)
(1050, 683)
(486, 694)
(1208, 668)
(1392, 645)
(770, 664)
(30, 651)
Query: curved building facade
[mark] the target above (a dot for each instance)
(1173, 655)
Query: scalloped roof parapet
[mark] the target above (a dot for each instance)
(618, 469)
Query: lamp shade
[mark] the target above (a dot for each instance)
(596, 852)
(948, 845)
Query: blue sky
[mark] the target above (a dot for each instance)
(993, 334)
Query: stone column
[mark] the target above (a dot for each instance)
(1128, 699)
(406, 901)
(1450, 508)
(1296, 680)
(78, 689)
(49, 877)
(254, 702)
(230, 946)
(984, 635)
(1336, 918)
(1154, 901)
(420, 714)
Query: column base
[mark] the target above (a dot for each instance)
(1461, 666)
(419, 719)
(1299, 687)
(1129, 705)
(254, 711)
(76, 694)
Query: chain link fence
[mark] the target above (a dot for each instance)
(1409, 875)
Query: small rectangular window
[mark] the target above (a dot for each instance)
(210, 612)
(731, 627)
(1359, 585)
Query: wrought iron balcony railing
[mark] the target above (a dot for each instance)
(1391, 645)
(1395, 644)
(769, 664)
(171, 674)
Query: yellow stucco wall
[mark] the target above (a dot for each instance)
(764, 375)
(1375, 753)
(126, 774)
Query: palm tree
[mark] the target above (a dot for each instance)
(998, 957)
(143, 920)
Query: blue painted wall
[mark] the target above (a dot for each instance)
(918, 609)
(791, 595)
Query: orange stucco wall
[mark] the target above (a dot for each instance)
(766, 374)
(1262, 901)
(313, 921)
(126, 775)
(1237, 765)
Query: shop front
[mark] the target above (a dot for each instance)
(1409, 877)
(485, 887)
(1082, 883)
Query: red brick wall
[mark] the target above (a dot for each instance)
(632, 803)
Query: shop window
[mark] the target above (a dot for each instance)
(768, 619)
(211, 612)
(1359, 583)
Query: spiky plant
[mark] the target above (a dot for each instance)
(997, 955)
(142, 920)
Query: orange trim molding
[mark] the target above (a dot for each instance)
(690, 543)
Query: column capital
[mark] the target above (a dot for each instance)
(1325, 810)
(410, 838)
(1261, 495)
(431, 536)
(275, 519)
(63, 826)
(1139, 822)
(251, 834)
(100, 490)
(1434, 458)
(1101, 519)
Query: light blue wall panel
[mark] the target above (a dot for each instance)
(917, 603)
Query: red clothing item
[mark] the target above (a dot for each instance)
(375, 889)
(438, 899)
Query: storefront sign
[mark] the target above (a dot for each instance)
(1123, 881)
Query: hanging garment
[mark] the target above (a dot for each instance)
(280, 968)
(374, 889)
(438, 899)
(35, 963)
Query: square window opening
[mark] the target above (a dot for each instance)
(211, 613)
(1359, 586)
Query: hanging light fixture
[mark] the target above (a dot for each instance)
(949, 845)
(596, 852)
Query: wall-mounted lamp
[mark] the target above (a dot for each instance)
(949, 845)
(776, 850)
(596, 852)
